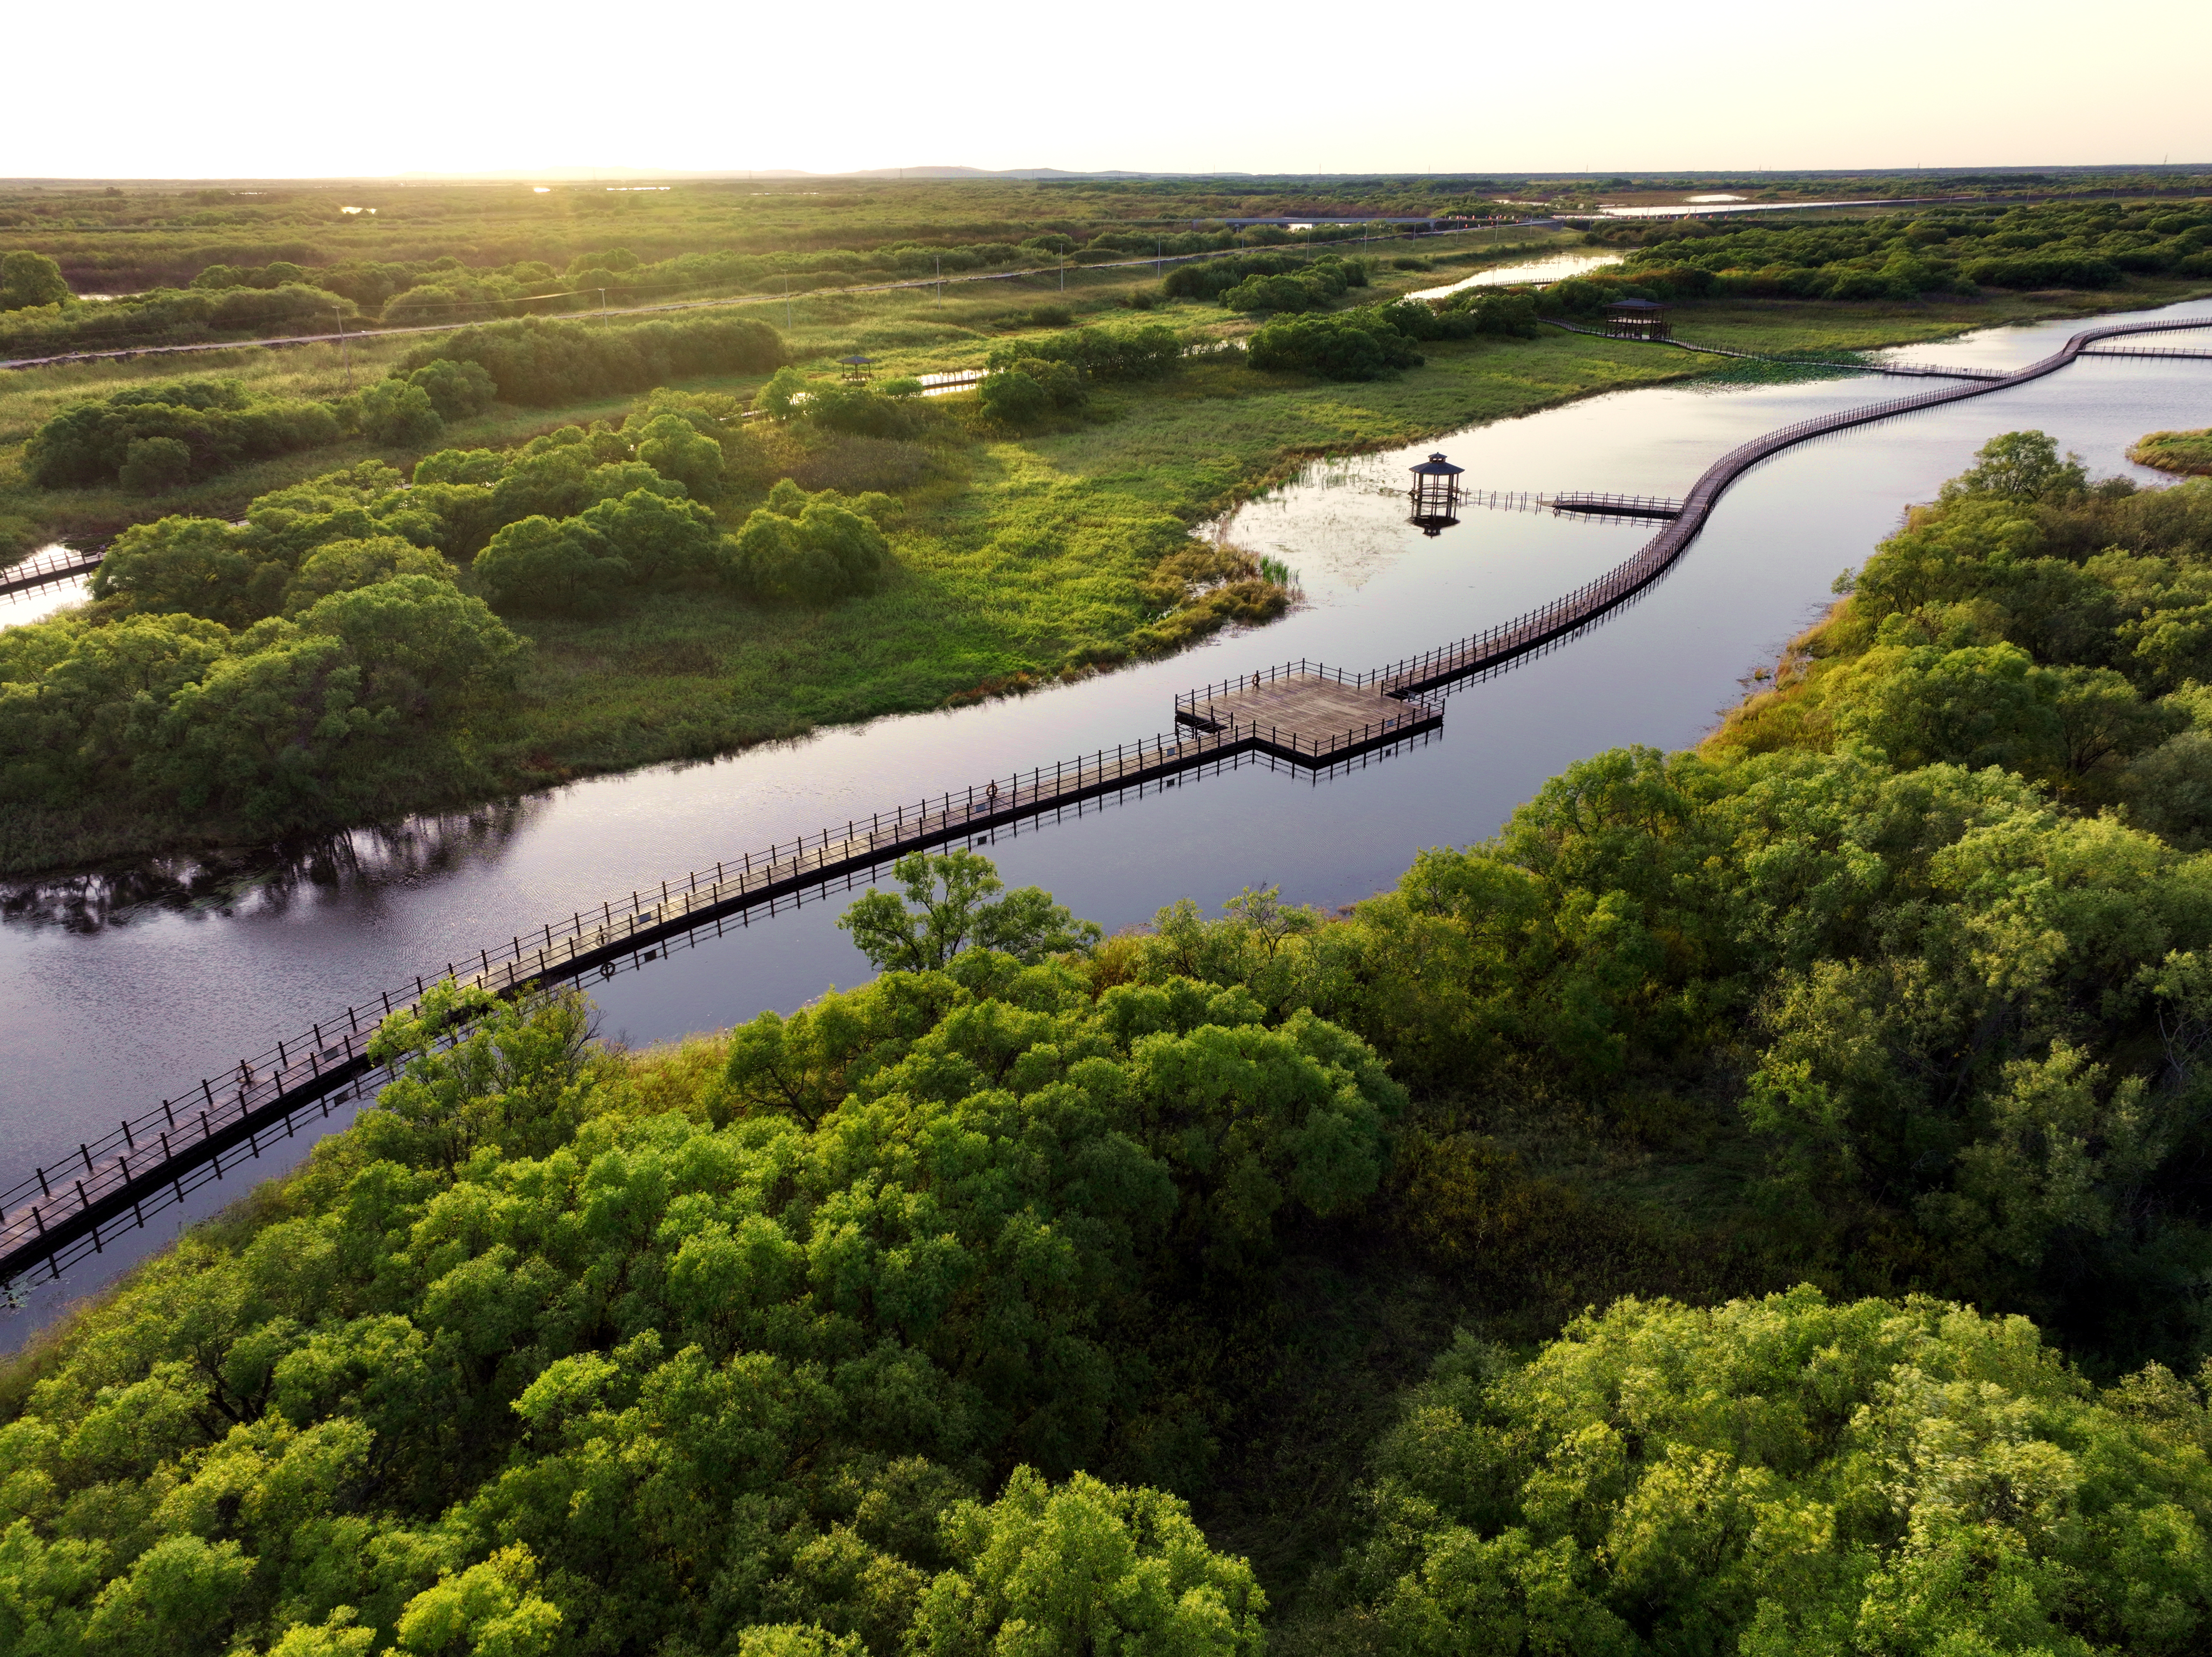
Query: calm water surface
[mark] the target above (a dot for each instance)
(117, 992)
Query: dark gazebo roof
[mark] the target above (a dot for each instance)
(856, 361)
(1437, 466)
(1635, 305)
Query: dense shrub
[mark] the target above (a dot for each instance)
(1143, 353)
(540, 363)
(808, 550)
(28, 279)
(538, 563)
(1352, 346)
(285, 724)
(1028, 389)
(1212, 279)
(456, 390)
(1669, 1478)
(396, 414)
(218, 422)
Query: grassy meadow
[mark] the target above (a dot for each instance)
(1020, 558)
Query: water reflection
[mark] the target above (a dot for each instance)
(116, 991)
(357, 865)
(1558, 268)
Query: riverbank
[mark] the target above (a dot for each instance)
(978, 610)
(1668, 1034)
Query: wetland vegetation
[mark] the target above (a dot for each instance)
(1752, 1203)
(675, 537)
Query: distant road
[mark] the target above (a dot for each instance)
(679, 305)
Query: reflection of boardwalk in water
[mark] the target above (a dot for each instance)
(1303, 714)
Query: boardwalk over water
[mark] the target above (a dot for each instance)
(42, 568)
(1302, 712)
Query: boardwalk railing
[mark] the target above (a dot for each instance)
(1479, 651)
(146, 1155)
(1617, 506)
(2150, 350)
(42, 567)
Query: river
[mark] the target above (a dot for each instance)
(119, 991)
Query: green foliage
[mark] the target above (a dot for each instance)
(542, 564)
(2020, 467)
(1085, 1569)
(676, 449)
(809, 550)
(397, 414)
(801, 1358)
(153, 464)
(219, 423)
(2054, 245)
(456, 390)
(28, 279)
(1350, 346)
(542, 364)
(1140, 353)
(1030, 389)
(1787, 1475)
(948, 905)
(1307, 283)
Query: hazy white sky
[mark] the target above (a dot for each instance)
(258, 88)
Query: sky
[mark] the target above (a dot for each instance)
(266, 90)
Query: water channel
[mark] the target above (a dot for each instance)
(116, 991)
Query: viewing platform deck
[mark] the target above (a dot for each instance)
(1304, 712)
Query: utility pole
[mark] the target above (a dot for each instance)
(603, 301)
(940, 259)
(787, 305)
(344, 358)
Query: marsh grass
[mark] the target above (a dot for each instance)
(1021, 559)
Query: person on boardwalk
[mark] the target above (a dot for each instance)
(991, 792)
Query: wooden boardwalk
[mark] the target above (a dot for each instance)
(1303, 711)
(42, 568)
(56, 1215)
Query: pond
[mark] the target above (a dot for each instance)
(122, 989)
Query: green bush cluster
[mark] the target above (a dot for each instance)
(540, 364)
(365, 657)
(168, 315)
(2053, 244)
(1312, 281)
(814, 1363)
(217, 423)
(1348, 345)
(1313, 286)
(810, 548)
(1147, 352)
(1786, 1475)
(1031, 389)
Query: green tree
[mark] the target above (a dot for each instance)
(676, 449)
(536, 563)
(949, 903)
(152, 465)
(341, 566)
(398, 414)
(456, 390)
(1670, 1479)
(29, 279)
(2020, 467)
(195, 565)
(1083, 1569)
